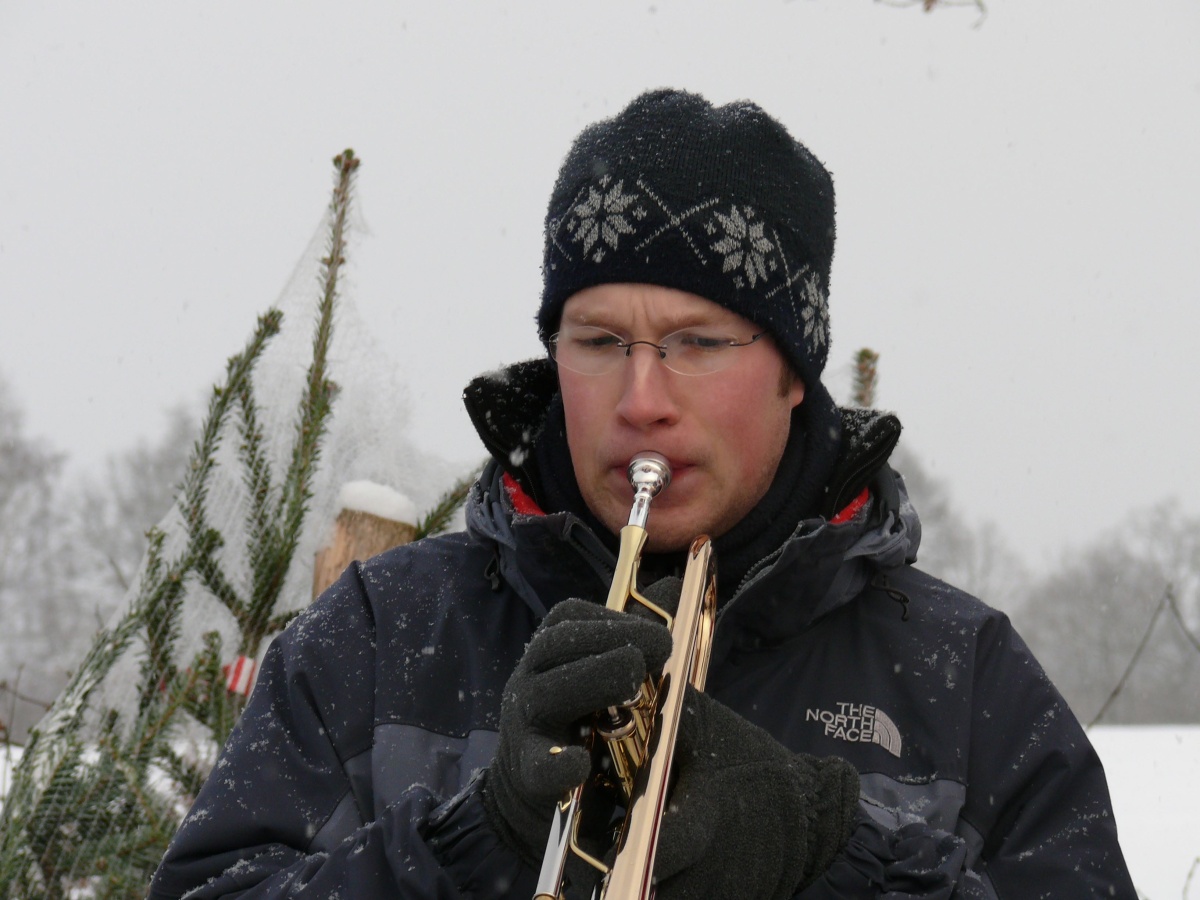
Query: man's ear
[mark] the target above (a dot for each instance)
(792, 387)
(796, 393)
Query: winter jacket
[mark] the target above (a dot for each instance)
(354, 771)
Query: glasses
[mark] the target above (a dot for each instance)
(589, 350)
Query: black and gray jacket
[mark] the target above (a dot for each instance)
(352, 773)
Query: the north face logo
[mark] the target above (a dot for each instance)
(860, 724)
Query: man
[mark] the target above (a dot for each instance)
(866, 731)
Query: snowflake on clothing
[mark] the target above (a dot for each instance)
(601, 217)
(815, 313)
(747, 251)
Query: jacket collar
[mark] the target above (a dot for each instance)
(819, 567)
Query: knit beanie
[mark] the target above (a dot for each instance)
(718, 201)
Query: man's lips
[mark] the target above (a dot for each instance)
(621, 465)
(680, 468)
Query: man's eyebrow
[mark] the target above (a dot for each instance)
(667, 323)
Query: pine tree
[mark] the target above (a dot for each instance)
(103, 782)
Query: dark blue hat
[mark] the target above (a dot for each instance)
(717, 201)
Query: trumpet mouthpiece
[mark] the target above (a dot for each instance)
(649, 470)
(649, 473)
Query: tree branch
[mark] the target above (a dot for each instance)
(1162, 604)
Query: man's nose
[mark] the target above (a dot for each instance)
(646, 388)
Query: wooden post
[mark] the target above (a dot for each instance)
(359, 534)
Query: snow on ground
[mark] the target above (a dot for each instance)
(8, 759)
(1152, 774)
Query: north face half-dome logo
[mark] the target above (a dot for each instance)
(859, 723)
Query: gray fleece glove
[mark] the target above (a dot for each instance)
(583, 658)
(748, 817)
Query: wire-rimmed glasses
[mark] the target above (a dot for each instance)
(590, 350)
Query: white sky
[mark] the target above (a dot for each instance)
(1019, 208)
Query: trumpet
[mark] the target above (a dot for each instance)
(638, 736)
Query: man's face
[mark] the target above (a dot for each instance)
(723, 433)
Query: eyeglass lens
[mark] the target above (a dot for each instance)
(589, 350)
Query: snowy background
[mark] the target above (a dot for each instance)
(1152, 776)
(1019, 212)
(1019, 208)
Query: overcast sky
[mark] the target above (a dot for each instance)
(1019, 208)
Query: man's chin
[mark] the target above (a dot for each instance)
(661, 537)
(669, 528)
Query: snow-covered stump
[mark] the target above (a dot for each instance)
(371, 518)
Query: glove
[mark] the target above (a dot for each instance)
(747, 817)
(583, 658)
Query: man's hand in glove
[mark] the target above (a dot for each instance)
(582, 658)
(747, 817)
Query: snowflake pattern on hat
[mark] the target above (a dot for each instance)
(815, 312)
(730, 239)
(747, 252)
(601, 217)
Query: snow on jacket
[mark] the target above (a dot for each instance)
(353, 772)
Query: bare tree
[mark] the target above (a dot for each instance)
(36, 600)
(69, 551)
(972, 557)
(116, 508)
(1115, 625)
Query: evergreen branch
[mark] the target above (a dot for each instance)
(53, 797)
(133, 769)
(69, 827)
(108, 810)
(150, 729)
(68, 709)
(257, 475)
(43, 769)
(237, 372)
(438, 519)
(316, 404)
(118, 812)
(205, 697)
(29, 817)
(43, 823)
(185, 774)
(160, 604)
(212, 576)
(275, 557)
